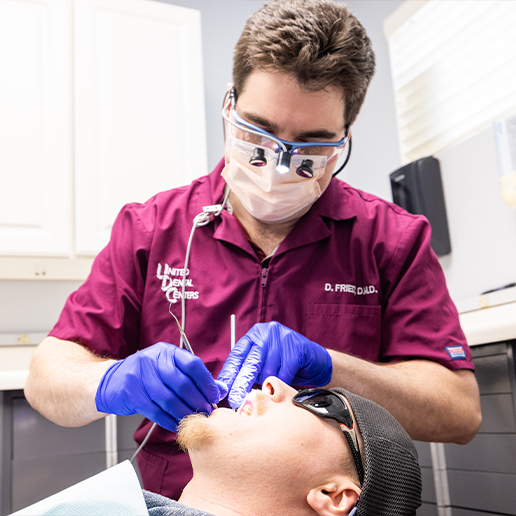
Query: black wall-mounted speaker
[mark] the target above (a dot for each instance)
(417, 187)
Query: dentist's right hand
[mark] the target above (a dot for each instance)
(163, 382)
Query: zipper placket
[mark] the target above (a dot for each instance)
(265, 274)
(263, 282)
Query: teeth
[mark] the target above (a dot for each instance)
(246, 409)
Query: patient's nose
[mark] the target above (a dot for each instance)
(278, 390)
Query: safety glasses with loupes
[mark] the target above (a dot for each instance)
(283, 148)
(329, 405)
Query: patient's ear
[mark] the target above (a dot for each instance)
(335, 498)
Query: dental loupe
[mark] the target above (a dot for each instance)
(284, 149)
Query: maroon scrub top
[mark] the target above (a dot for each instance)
(356, 274)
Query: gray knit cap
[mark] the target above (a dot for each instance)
(392, 479)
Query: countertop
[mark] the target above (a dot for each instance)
(14, 366)
(493, 324)
(13, 380)
(481, 326)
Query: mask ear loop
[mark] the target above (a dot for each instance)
(225, 104)
(350, 146)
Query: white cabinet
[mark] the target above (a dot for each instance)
(139, 108)
(103, 105)
(35, 128)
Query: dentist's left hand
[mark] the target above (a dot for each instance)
(271, 349)
(163, 382)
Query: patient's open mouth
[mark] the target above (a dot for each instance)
(246, 409)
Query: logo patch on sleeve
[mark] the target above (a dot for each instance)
(456, 352)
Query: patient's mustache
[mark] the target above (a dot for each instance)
(192, 431)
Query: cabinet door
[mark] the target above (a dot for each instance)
(139, 108)
(35, 128)
(46, 458)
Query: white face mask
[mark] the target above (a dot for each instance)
(265, 193)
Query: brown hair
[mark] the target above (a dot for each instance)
(319, 42)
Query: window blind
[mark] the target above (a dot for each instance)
(454, 70)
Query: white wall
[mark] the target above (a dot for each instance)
(482, 227)
(222, 23)
(375, 139)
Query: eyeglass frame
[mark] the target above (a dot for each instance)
(344, 419)
(285, 145)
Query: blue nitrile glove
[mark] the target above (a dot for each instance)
(271, 349)
(164, 383)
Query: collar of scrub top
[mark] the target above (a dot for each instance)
(287, 147)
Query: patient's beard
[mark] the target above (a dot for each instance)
(193, 431)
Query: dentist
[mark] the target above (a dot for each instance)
(331, 286)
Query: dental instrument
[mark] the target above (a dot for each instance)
(233, 330)
(184, 340)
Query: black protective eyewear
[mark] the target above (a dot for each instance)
(327, 404)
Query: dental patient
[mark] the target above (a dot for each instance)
(316, 452)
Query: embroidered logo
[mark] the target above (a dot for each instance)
(172, 283)
(456, 352)
(352, 289)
